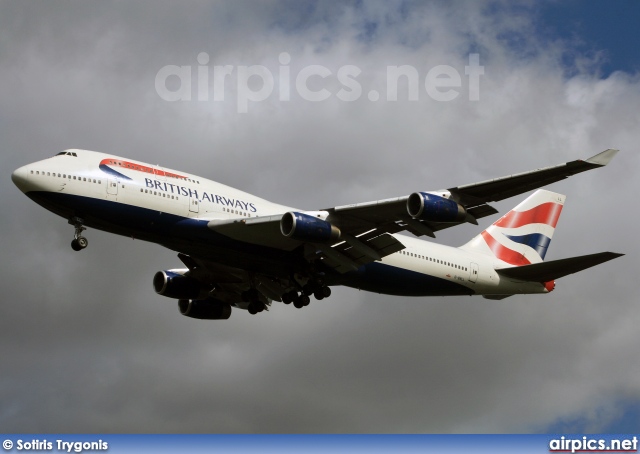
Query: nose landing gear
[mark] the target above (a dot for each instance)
(79, 242)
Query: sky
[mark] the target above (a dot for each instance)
(87, 345)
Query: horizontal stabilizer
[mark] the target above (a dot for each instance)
(555, 269)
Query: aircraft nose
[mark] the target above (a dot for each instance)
(20, 177)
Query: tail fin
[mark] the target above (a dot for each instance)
(522, 236)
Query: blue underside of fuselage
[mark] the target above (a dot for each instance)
(192, 237)
(390, 280)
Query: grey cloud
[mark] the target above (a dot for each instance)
(87, 346)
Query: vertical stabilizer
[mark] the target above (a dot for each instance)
(522, 236)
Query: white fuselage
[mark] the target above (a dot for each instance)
(133, 198)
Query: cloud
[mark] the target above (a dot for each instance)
(89, 347)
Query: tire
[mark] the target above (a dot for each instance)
(298, 303)
(82, 242)
(326, 291)
(75, 246)
(319, 295)
(305, 300)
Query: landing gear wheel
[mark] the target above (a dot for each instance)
(79, 242)
(298, 303)
(322, 293)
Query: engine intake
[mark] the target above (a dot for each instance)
(430, 207)
(176, 285)
(209, 309)
(300, 226)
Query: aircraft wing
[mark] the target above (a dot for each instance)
(391, 215)
(229, 283)
(352, 249)
(505, 187)
(365, 228)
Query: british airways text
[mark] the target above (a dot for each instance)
(188, 192)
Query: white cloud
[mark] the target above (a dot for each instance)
(91, 348)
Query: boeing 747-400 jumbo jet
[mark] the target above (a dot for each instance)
(242, 251)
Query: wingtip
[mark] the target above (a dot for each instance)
(603, 158)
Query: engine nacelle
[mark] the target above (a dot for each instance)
(430, 207)
(173, 284)
(300, 226)
(207, 309)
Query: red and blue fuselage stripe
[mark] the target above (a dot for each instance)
(105, 166)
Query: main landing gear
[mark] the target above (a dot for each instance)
(79, 242)
(253, 298)
(302, 299)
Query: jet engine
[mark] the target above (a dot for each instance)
(430, 207)
(174, 284)
(207, 309)
(304, 227)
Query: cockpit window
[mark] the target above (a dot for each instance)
(67, 153)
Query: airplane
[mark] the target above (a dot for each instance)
(242, 251)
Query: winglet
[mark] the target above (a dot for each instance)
(602, 159)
